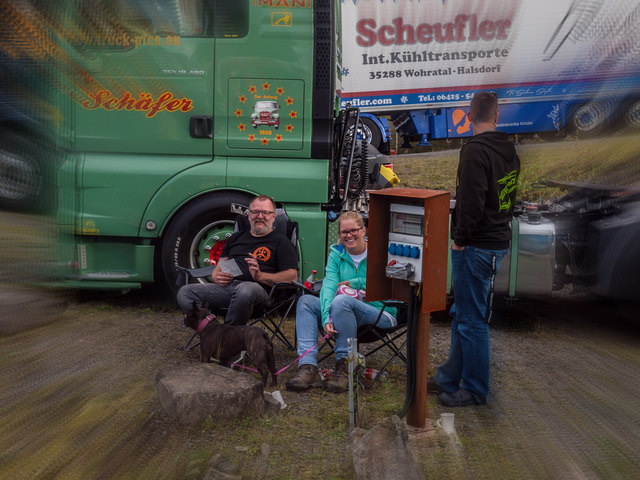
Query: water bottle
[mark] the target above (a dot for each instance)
(372, 374)
(310, 281)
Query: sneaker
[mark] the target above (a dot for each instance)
(339, 381)
(308, 377)
(461, 398)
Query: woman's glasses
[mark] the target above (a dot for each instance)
(353, 231)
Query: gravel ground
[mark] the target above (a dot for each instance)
(78, 397)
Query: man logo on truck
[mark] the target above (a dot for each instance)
(266, 112)
(458, 116)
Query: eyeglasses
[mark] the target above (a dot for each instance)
(264, 213)
(353, 231)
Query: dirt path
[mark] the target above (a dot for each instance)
(78, 401)
(565, 398)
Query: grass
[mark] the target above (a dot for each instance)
(612, 160)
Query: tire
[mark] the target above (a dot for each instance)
(21, 178)
(198, 232)
(632, 115)
(551, 136)
(589, 119)
(371, 133)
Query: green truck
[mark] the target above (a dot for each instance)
(161, 151)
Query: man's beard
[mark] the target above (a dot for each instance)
(260, 228)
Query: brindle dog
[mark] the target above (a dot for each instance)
(225, 341)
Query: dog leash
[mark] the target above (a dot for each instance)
(282, 369)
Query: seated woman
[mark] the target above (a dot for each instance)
(341, 315)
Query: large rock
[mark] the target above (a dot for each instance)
(190, 393)
(383, 452)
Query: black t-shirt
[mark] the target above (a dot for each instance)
(274, 252)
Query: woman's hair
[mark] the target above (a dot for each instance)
(355, 216)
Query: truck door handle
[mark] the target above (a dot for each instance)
(201, 126)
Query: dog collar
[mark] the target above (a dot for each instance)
(203, 324)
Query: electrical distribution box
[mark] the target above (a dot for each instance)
(406, 240)
(409, 227)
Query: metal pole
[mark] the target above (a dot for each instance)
(351, 361)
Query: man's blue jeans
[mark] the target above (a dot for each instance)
(473, 273)
(347, 314)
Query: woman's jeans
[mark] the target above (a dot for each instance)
(347, 314)
(473, 274)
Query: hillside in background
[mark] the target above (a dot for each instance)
(613, 160)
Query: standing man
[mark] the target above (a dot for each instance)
(481, 231)
(264, 257)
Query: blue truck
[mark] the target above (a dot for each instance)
(557, 66)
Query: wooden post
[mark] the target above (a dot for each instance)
(416, 416)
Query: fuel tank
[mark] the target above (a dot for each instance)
(533, 244)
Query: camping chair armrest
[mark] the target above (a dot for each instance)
(282, 286)
(303, 288)
(385, 304)
(195, 272)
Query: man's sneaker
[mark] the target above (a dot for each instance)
(432, 386)
(461, 398)
(339, 381)
(308, 377)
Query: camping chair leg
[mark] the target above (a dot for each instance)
(388, 341)
(187, 347)
(398, 353)
(279, 332)
(331, 344)
(275, 328)
(275, 331)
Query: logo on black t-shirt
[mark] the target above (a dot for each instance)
(262, 253)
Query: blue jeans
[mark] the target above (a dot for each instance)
(347, 314)
(473, 273)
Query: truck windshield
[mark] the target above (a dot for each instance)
(186, 18)
(266, 106)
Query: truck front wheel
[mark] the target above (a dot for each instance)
(197, 233)
(371, 133)
(21, 180)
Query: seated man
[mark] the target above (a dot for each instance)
(264, 256)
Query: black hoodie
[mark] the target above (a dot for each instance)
(485, 191)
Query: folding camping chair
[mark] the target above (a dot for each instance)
(392, 338)
(282, 296)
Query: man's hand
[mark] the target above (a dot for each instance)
(258, 275)
(454, 246)
(221, 278)
(254, 268)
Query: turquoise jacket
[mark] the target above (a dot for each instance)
(340, 268)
